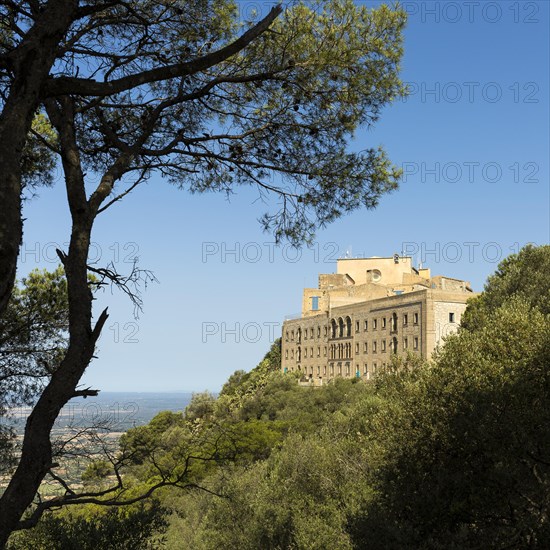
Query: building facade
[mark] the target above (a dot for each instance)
(369, 309)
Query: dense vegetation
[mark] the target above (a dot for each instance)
(454, 453)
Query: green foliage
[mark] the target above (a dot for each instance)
(38, 159)
(33, 332)
(33, 339)
(97, 471)
(525, 275)
(201, 406)
(241, 385)
(93, 529)
(464, 443)
(278, 114)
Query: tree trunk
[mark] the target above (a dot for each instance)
(32, 61)
(36, 452)
(36, 455)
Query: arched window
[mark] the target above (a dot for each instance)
(334, 326)
(394, 322)
(348, 327)
(395, 345)
(299, 336)
(341, 327)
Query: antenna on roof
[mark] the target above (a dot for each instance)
(349, 253)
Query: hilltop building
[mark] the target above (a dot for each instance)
(370, 308)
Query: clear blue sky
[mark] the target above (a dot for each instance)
(473, 140)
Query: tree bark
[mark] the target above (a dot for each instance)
(31, 62)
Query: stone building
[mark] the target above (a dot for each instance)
(370, 308)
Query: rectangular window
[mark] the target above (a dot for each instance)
(383, 346)
(286, 354)
(374, 346)
(292, 336)
(356, 326)
(383, 322)
(325, 352)
(318, 332)
(366, 325)
(326, 331)
(305, 353)
(292, 354)
(347, 369)
(405, 319)
(311, 352)
(318, 370)
(286, 336)
(416, 343)
(318, 352)
(315, 303)
(374, 324)
(366, 348)
(415, 318)
(357, 347)
(405, 343)
(366, 370)
(324, 370)
(451, 317)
